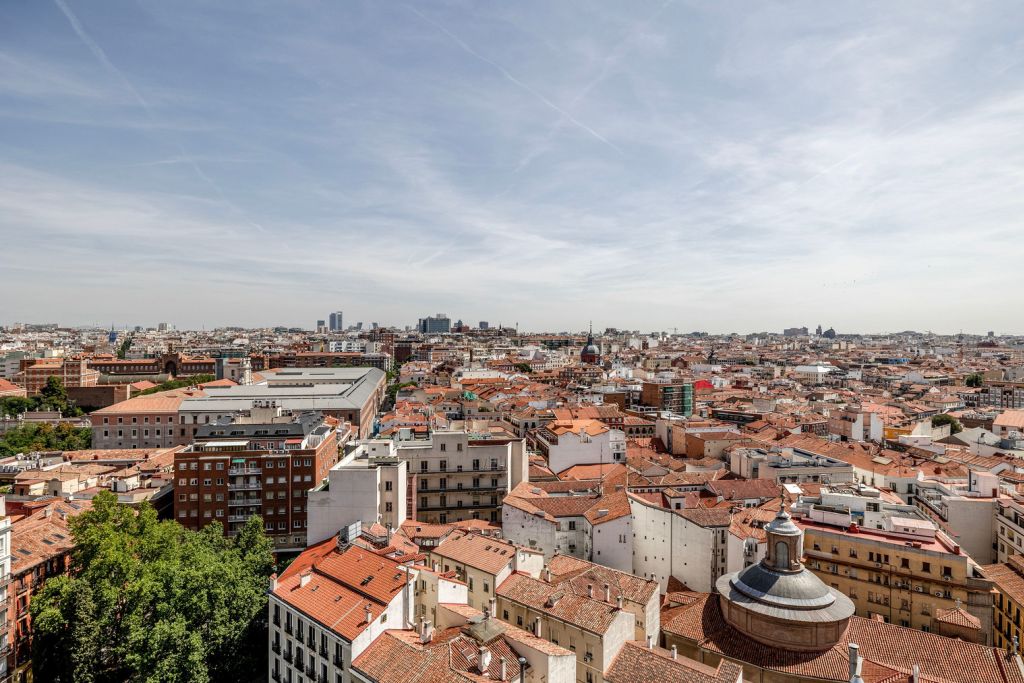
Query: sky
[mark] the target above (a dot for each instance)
(721, 166)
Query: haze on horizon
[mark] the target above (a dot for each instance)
(645, 165)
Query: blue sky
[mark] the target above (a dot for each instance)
(728, 166)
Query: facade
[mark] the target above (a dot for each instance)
(675, 397)
(33, 373)
(435, 324)
(454, 476)
(568, 443)
(1005, 395)
(328, 606)
(36, 547)
(1008, 579)
(592, 527)
(368, 485)
(592, 622)
(336, 322)
(482, 563)
(326, 359)
(263, 464)
(906, 574)
(149, 421)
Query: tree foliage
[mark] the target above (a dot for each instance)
(975, 380)
(943, 419)
(152, 602)
(53, 396)
(178, 384)
(523, 367)
(41, 436)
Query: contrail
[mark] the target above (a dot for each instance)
(504, 72)
(101, 56)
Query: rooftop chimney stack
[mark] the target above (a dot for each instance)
(503, 674)
(915, 674)
(618, 601)
(522, 670)
(304, 578)
(590, 590)
(428, 632)
(369, 614)
(536, 628)
(485, 659)
(855, 664)
(494, 606)
(650, 642)
(607, 593)
(675, 653)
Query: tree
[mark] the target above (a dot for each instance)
(192, 381)
(45, 437)
(975, 380)
(523, 367)
(150, 601)
(944, 419)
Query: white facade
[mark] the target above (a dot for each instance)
(367, 485)
(586, 449)
(665, 543)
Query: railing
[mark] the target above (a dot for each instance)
(233, 471)
(311, 671)
(245, 501)
(276, 647)
(245, 487)
(470, 506)
(240, 518)
(288, 656)
(339, 661)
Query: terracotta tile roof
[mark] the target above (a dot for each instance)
(341, 585)
(580, 575)
(589, 614)
(487, 554)
(42, 533)
(958, 616)
(884, 647)
(636, 663)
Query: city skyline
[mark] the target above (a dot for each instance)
(672, 164)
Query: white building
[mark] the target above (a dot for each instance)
(593, 527)
(368, 485)
(580, 442)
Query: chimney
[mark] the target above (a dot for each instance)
(273, 581)
(437, 567)
(428, 632)
(504, 669)
(855, 664)
(590, 590)
(650, 642)
(915, 674)
(536, 627)
(607, 593)
(675, 653)
(618, 601)
(369, 614)
(494, 606)
(419, 627)
(522, 670)
(485, 660)
(547, 574)
(304, 578)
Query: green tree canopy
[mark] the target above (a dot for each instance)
(178, 384)
(150, 601)
(954, 425)
(40, 436)
(975, 380)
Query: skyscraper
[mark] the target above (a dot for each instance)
(336, 322)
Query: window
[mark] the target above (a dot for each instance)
(926, 567)
(423, 466)
(387, 486)
(444, 447)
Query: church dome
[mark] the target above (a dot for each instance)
(778, 601)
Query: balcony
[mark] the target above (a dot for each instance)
(276, 676)
(239, 471)
(288, 628)
(339, 662)
(288, 656)
(323, 651)
(241, 518)
(276, 647)
(245, 486)
(464, 489)
(459, 506)
(311, 671)
(245, 501)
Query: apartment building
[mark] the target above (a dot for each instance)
(594, 527)
(966, 510)
(482, 563)
(369, 485)
(262, 464)
(906, 573)
(6, 665)
(1009, 527)
(674, 396)
(853, 423)
(1008, 579)
(35, 547)
(571, 442)
(459, 475)
(33, 373)
(789, 465)
(1004, 395)
(149, 421)
(466, 647)
(328, 606)
(593, 626)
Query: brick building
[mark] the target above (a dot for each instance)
(73, 372)
(263, 464)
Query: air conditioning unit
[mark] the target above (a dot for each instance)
(588, 657)
(919, 589)
(878, 564)
(938, 594)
